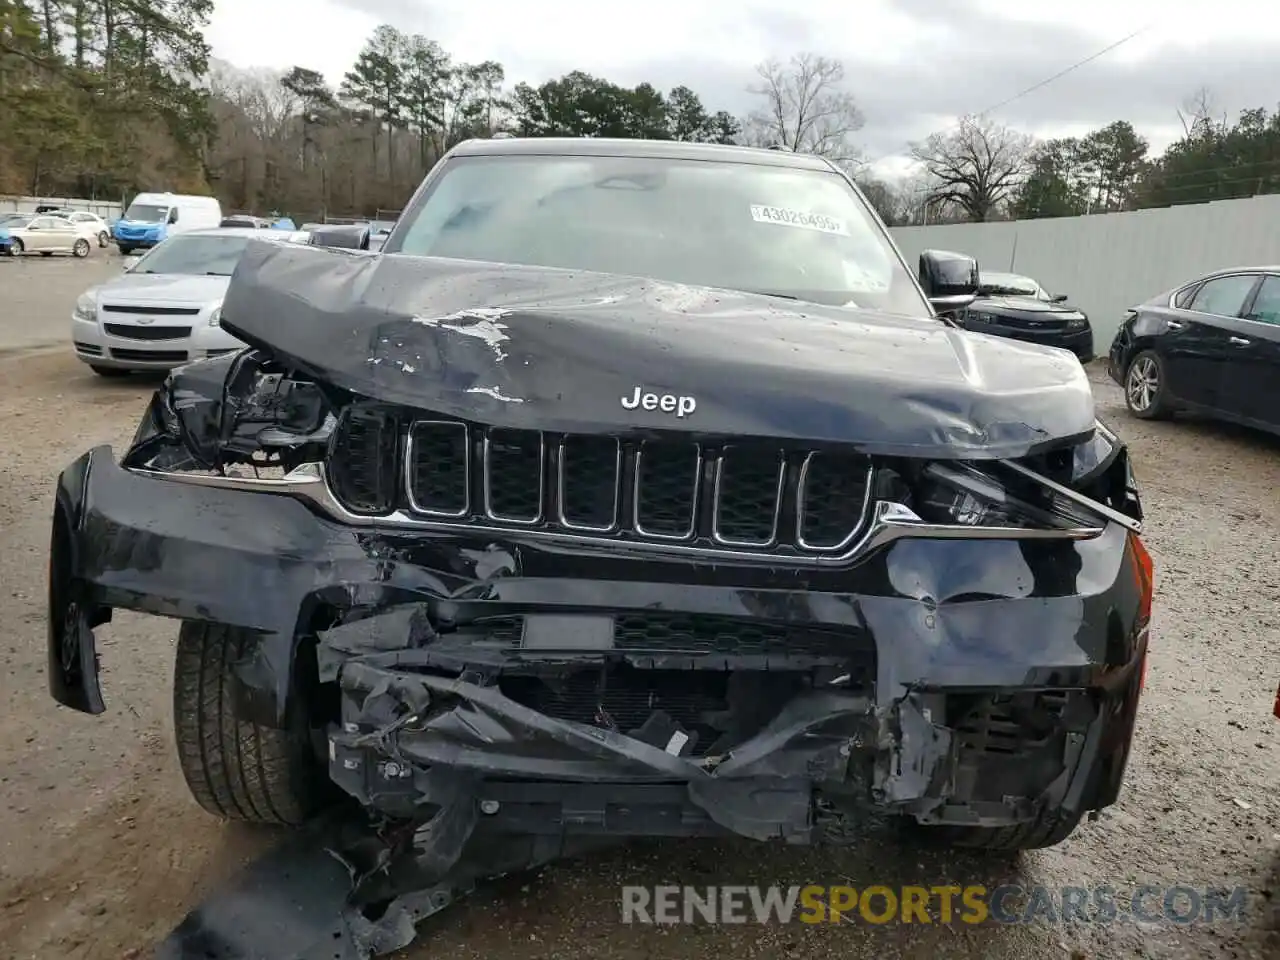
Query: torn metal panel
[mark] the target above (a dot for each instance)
(344, 888)
(501, 343)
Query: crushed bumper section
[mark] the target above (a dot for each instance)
(640, 760)
(478, 682)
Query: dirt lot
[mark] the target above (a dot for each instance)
(102, 851)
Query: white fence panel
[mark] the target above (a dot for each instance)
(1107, 263)
(103, 208)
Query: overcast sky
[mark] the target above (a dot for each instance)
(914, 65)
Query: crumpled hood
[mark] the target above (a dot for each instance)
(561, 350)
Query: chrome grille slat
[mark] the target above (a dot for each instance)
(524, 451)
(651, 501)
(434, 447)
(567, 473)
(740, 501)
(811, 519)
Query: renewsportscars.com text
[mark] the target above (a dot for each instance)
(939, 904)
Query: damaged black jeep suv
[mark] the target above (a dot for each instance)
(633, 489)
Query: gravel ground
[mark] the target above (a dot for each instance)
(102, 852)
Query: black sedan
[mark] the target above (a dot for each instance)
(1017, 307)
(1211, 347)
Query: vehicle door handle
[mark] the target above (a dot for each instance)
(1240, 341)
(1175, 324)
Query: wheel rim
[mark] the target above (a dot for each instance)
(1142, 384)
(81, 248)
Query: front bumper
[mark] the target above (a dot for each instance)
(413, 632)
(1079, 342)
(93, 345)
(138, 242)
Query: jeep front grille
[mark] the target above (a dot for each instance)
(754, 496)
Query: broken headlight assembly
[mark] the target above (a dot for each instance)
(1072, 493)
(965, 495)
(239, 415)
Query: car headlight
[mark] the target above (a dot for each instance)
(215, 318)
(86, 307)
(1077, 323)
(976, 317)
(966, 496)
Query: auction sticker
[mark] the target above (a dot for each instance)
(798, 218)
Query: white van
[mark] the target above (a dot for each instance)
(153, 216)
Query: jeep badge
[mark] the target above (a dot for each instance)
(666, 402)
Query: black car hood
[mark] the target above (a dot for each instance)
(1025, 305)
(559, 350)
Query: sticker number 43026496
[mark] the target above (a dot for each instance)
(798, 218)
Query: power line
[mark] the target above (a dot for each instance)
(1062, 73)
(1041, 84)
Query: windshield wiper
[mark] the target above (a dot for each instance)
(773, 293)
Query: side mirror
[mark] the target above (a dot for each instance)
(173, 216)
(1058, 298)
(949, 280)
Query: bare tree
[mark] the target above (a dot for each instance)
(806, 109)
(887, 197)
(1197, 115)
(976, 166)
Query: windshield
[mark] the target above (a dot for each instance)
(16, 223)
(1010, 285)
(195, 256)
(782, 231)
(146, 212)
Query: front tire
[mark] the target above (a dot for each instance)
(125, 250)
(1146, 390)
(1049, 829)
(235, 768)
(102, 240)
(80, 249)
(16, 249)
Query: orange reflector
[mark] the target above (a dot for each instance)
(1144, 574)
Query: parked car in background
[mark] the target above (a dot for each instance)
(244, 220)
(1017, 307)
(1211, 347)
(43, 234)
(90, 226)
(165, 309)
(154, 216)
